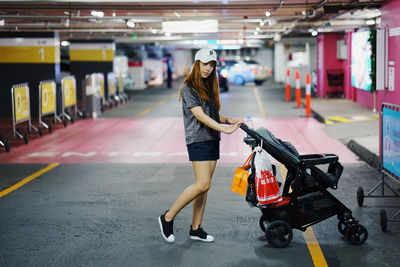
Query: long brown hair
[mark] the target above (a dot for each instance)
(194, 80)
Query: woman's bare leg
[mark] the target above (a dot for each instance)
(199, 203)
(202, 171)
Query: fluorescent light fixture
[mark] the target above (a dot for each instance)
(1, 22)
(200, 42)
(177, 14)
(190, 26)
(65, 43)
(98, 14)
(370, 22)
(130, 24)
(268, 13)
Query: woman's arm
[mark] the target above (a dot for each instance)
(226, 120)
(203, 118)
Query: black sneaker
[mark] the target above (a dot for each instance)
(200, 234)
(167, 229)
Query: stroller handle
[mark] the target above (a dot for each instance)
(246, 128)
(252, 137)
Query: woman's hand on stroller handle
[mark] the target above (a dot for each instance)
(231, 128)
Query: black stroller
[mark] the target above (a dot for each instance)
(309, 201)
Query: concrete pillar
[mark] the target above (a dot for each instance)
(27, 57)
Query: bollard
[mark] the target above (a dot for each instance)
(298, 91)
(308, 95)
(287, 95)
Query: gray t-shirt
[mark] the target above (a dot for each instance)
(196, 131)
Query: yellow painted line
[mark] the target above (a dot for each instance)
(311, 240)
(28, 179)
(314, 248)
(340, 119)
(159, 103)
(259, 102)
(329, 122)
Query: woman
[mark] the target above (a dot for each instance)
(200, 103)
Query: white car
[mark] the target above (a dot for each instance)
(242, 71)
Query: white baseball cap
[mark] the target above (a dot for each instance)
(206, 55)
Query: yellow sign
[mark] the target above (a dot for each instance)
(29, 50)
(91, 55)
(101, 83)
(120, 83)
(69, 91)
(48, 97)
(21, 103)
(29, 54)
(112, 87)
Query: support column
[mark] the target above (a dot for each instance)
(89, 57)
(27, 57)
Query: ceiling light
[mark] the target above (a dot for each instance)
(98, 14)
(65, 43)
(130, 24)
(370, 22)
(190, 26)
(154, 31)
(255, 33)
(177, 14)
(277, 37)
(258, 29)
(314, 33)
(268, 13)
(1, 22)
(168, 34)
(262, 23)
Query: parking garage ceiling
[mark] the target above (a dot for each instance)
(146, 21)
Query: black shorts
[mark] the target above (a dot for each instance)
(204, 151)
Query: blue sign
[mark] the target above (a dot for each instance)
(391, 141)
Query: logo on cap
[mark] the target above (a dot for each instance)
(211, 52)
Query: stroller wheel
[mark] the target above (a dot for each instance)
(263, 223)
(279, 234)
(357, 234)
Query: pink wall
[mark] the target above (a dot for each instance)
(390, 19)
(326, 59)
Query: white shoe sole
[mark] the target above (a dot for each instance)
(169, 239)
(209, 238)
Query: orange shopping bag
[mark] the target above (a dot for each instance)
(239, 182)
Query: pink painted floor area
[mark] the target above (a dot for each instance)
(161, 140)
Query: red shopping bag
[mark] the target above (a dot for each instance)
(267, 187)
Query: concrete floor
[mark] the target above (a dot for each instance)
(105, 214)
